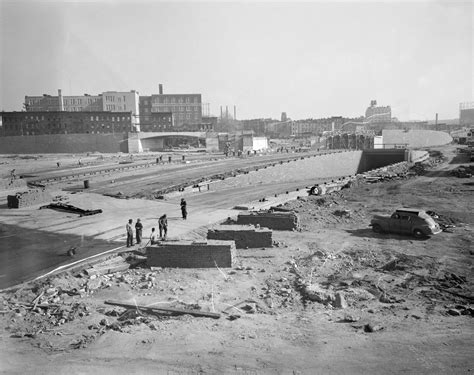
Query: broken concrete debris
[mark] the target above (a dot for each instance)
(270, 219)
(170, 311)
(244, 236)
(192, 254)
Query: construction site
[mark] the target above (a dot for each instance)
(271, 268)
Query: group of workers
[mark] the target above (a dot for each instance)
(162, 226)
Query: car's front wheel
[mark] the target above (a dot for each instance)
(377, 228)
(418, 233)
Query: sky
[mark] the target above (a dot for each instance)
(308, 59)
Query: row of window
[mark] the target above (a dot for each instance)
(124, 118)
(111, 98)
(172, 100)
(112, 107)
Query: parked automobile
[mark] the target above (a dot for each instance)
(410, 221)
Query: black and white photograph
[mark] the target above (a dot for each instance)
(236, 187)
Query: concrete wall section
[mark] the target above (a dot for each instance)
(244, 236)
(188, 254)
(64, 143)
(271, 220)
(322, 166)
(371, 159)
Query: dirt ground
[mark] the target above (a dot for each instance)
(332, 298)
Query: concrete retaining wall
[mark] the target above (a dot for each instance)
(415, 138)
(188, 254)
(306, 167)
(377, 158)
(64, 143)
(271, 220)
(244, 236)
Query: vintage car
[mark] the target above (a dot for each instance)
(409, 221)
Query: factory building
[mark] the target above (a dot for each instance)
(186, 108)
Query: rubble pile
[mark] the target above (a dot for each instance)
(360, 279)
(463, 171)
(394, 171)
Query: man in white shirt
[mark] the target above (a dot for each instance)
(129, 233)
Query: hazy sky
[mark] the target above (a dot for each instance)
(309, 59)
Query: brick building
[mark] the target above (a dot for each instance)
(109, 101)
(186, 108)
(378, 114)
(156, 122)
(61, 122)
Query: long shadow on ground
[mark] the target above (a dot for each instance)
(28, 253)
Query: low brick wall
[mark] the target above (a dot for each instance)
(269, 219)
(28, 198)
(244, 236)
(189, 254)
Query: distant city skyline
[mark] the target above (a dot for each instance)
(310, 59)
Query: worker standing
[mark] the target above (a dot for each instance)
(184, 211)
(163, 226)
(138, 231)
(129, 233)
(153, 240)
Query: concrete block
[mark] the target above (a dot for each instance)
(244, 236)
(28, 198)
(192, 254)
(269, 219)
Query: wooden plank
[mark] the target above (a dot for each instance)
(165, 309)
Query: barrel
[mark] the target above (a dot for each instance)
(86, 184)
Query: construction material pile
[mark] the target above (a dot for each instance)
(245, 236)
(28, 198)
(270, 219)
(463, 171)
(394, 171)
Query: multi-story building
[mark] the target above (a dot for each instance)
(109, 101)
(116, 101)
(466, 114)
(61, 122)
(186, 108)
(156, 122)
(376, 113)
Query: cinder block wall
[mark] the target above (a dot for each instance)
(271, 220)
(188, 254)
(28, 198)
(244, 236)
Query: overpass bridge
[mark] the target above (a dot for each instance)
(157, 141)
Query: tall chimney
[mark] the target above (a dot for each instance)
(221, 112)
(61, 101)
(226, 112)
(235, 112)
(436, 120)
(160, 89)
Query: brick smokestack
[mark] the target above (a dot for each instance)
(160, 89)
(61, 101)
